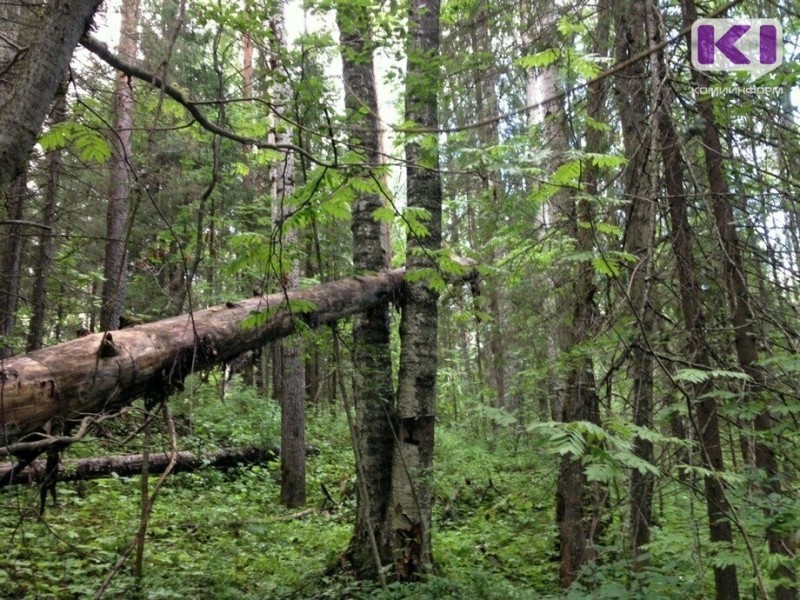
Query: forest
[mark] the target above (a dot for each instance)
(411, 299)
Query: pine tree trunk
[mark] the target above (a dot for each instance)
(115, 272)
(372, 366)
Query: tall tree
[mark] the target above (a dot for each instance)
(743, 320)
(35, 81)
(44, 252)
(115, 272)
(412, 465)
(288, 352)
(11, 260)
(372, 363)
(632, 97)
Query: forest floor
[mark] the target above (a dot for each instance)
(224, 535)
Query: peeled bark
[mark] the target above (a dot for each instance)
(129, 465)
(373, 388)
(102, 371)
(36, 79)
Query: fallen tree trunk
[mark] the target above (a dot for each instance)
(128, 465)
(101, 372)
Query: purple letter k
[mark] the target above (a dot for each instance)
(726, 44)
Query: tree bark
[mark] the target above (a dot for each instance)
(742, 319)
(412, 465)
(103, 371)
(44, 257)
(36, 79)
(129, 465)
(11, 262)
(703, 404)
(634, 112)
(115, 272)
(292, 368)
(373, 388)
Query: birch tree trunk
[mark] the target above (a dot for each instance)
(412, 464)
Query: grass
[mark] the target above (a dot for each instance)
(224, 534)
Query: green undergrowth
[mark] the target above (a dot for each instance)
(216, 534)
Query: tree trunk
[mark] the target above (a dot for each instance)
(44, 254)
(115, 272)
(703, 404)
(103, 371)
(412, 466)
(11, 262)
(634, 112)
(35, 82)
(292, 368)
(129, 465)
(373, 391)
(742, 319)
(578, 505)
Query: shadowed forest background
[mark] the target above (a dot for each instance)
(409, 299)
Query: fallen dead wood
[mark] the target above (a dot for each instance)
(101, 372)
(128, 465)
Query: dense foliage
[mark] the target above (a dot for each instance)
(617, 391)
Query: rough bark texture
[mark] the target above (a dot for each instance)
(633, 104)
(412, 466)
(35, 81)
(742, 319)
(11, 261)
(128, 465)
(372, 366)
(578, 505)
(115, 272)
(44, 253)
(704, 405)
(292, 368)
(99, 372)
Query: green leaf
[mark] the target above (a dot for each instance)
(540, 59)
(606, 266)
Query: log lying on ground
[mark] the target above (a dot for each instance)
(101, 372)
(128, 465)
